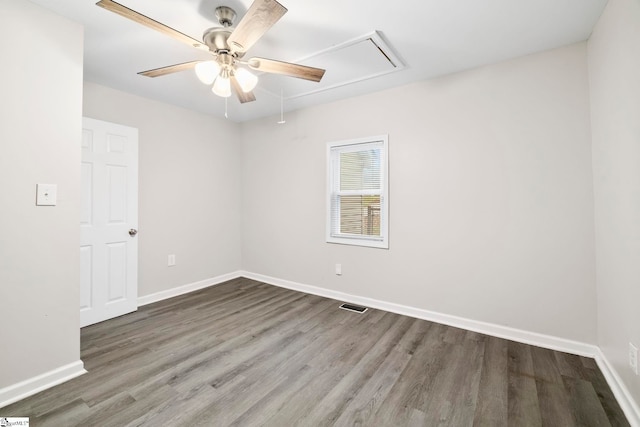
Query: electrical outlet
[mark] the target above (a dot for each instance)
(633, 358)
(339, 269)
(171, 261)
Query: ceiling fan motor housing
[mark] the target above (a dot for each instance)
(216, 39)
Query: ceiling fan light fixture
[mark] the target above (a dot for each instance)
(222, 86)
(207, 71)
(228, 44)
(246, 79)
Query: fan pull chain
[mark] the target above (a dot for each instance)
(282, 121)
(226, 116)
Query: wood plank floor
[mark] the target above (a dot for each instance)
(245, 353)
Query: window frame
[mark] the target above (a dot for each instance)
(333, 173)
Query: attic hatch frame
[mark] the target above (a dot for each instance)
(375, 37)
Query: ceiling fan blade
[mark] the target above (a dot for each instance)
(286, 68)
(261, 16)
(157, 72)
(131, 14)
(242, 96)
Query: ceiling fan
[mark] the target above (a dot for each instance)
(228, 46)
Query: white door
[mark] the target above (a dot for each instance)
(109, 221)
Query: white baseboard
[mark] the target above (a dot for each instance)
(49, 379)
(184, 289)
(57, 376)
(19, 391)
(620, 391)
(626, 401)
(519, 335)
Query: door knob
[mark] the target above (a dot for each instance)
(133, 232)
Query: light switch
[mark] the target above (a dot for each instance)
(46, 194)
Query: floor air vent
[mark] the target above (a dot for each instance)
(354, 308)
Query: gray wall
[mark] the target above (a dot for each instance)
(491, 191)
(40, 122)
(491, 203)
(189, 191)
(614, 69)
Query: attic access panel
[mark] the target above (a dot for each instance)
(356, 60)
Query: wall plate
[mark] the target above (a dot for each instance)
(46, 194)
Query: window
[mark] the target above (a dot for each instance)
(358, 202)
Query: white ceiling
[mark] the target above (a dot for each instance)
(430, 37)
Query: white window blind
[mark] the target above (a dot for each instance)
(357, 198)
